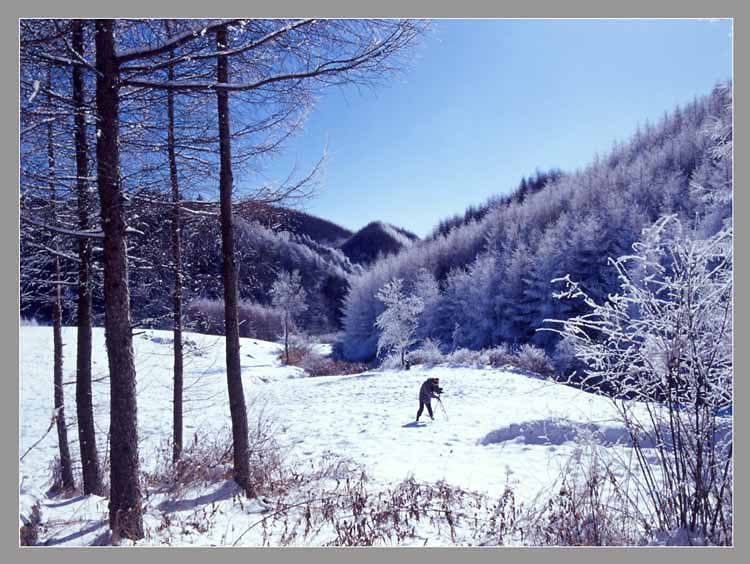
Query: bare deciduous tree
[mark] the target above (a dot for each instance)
(92, 482)
(62, 431)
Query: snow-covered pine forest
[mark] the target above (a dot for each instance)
(488, 281)
(259, 379)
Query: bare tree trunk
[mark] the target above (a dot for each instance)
(62, 430)
(92, 481)
(125, 518)
(286, 335)
(177, 271)
(231, 323)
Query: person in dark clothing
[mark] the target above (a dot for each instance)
(430, 389)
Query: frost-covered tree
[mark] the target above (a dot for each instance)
(666, 339)
(399, 321)
(427, 289)
(468, 299)
(289, 296)
(711, 183)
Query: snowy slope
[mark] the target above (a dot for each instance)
(501, 427)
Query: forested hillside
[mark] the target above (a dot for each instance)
(489, 281)
(527, 186)
(295, 221)
(286, 240)
(268, 239)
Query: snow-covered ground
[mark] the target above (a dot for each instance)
(499, 427)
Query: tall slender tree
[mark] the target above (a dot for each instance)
(125, 518)
(62, 430)
(92, 482)
(231, 297)
(176, 229)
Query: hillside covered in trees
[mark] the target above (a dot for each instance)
(269, 239)
(486, 279)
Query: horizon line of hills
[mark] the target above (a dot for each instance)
(379, 238)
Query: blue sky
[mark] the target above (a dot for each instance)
(485, 102)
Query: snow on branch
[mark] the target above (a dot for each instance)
(64, 231)
(174, 42)
(228, 52)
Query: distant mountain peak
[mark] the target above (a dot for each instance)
(377, 239)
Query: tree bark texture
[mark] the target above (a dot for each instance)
(125, 518)
(92, 481)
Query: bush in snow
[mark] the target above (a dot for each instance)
(29, 531)
(302, 353)
(534, 359)
(428, 354)
(298, 349)
(207, 458)
(527, 357)
(318, 365)
(666, 339)
(257, 321)
(498, 357)
(586, 507)
(399, 320)
(564, 358)
(464, 357)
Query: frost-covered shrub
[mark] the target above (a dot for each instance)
(257, 321)
(205, 316)
(428, 354)
(666, 340)
(534, 359)
(289, 297)
(391, 362)
(564, 357)
(465, 357)
(498, 356)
